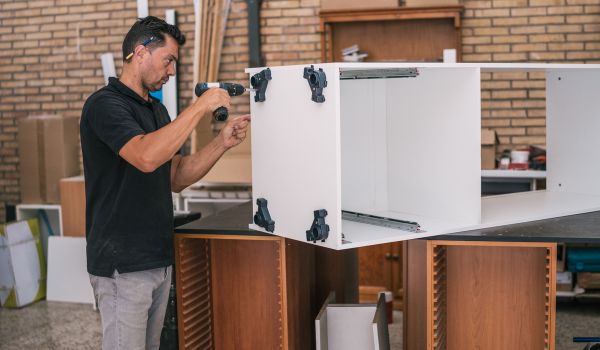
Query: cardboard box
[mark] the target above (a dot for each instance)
(430, 3)
(489, 141)
(564, 281)
(588, 280)
(72, 202)
(22, 264)
(68, 279)
(48, 152)
(231, 169)
(332, 5)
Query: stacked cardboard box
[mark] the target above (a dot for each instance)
(489, 140)
(48, 151)
(234, 168)
(588, 280)
(72, 202)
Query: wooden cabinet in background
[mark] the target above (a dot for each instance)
(380, 269)
(395, 34)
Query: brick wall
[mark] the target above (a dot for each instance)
(565, 31)
(50, 56)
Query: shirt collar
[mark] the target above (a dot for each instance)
(125, 90)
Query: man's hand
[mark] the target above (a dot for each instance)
(213, 99)
(235, 131)
(189, 169)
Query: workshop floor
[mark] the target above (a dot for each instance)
(63, 326)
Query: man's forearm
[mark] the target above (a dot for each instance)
(158, 147)
(192, 168)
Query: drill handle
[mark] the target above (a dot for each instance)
(220, 114)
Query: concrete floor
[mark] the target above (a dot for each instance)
(64, 326)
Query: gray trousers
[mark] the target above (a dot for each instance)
(132, 308)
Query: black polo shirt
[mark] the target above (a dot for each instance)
(129, 214)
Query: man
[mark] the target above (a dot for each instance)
(131, 166)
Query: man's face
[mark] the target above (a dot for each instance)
(159, 64)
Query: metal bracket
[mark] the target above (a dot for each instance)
(262, 217)
(259, 82)
(317, 80)
(319, 231)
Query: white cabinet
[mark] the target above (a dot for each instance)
(352, 326)
(398, 144)
(50, 219)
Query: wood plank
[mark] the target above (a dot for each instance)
(246, 294)
(415, 300)
(300, 288)
(493, 301)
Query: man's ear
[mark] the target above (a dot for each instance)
(140, 51)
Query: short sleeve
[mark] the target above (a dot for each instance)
(113, 121)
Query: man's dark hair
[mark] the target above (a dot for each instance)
(150, 27)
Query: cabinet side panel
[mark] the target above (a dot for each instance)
(496, 297)
(364, 149)
(573, 125)
(246, 295)
(434, 148)
(295, 153)
(194, 309)
(302, 308)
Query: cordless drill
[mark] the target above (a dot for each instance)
(221, 114)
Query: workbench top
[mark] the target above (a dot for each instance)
(232, 221)
(581, 228)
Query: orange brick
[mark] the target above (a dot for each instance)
(477, 22)
(504, 39)
(583, 37)
(510, 3)
(510, 131)
(546, 38)
(510, 21)
(488, 123)
(509, 94)
(492, 48)
(283, 4)
(528, 11)
(547, 20)
(529, 122)
(546, 2)
(474, 40)
(509, 57)
(583, 55)
(491, 31)
(564, 10)
(583, 19)
(529, 47)
(492, 13)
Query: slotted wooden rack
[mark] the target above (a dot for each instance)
(194, 294)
